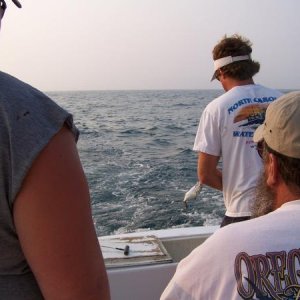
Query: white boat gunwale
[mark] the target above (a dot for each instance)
(147, 282)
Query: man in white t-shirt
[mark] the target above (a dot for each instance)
(259, 258)
(227, 125)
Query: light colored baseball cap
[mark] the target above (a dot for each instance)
(281, 128)
(224, 61)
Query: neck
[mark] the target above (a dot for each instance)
(229, 83)
(284, 195)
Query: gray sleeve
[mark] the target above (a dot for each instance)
(29, 120)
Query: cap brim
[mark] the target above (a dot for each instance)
(214, 76)
(259, 133)
(17, 3)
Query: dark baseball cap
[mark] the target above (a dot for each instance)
(17, 3)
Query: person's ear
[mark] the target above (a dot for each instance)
(272, 170)
(221, 74)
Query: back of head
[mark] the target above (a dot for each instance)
(236, 46)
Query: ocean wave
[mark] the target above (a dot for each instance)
(135, 147)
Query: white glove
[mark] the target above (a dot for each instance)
(192, 193)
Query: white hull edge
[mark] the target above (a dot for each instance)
(138, 281)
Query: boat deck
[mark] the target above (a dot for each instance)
(145, 270)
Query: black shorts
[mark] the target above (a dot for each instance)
(228, 220)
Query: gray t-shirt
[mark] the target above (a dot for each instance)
(28, 120)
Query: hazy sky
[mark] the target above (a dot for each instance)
(144, 44)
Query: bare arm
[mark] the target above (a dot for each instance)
(53, 219)
(208, 173)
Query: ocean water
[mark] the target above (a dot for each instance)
(136, 150)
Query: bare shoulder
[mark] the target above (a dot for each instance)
(54, 223)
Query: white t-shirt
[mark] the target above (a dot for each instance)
(226, 129)
(255, 259)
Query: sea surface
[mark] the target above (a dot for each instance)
(136, 150)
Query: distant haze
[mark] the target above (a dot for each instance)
(144, 44)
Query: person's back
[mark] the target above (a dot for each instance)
(29, 120)
(227, 125)
(231, 120)
(249, 260)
